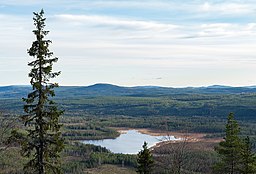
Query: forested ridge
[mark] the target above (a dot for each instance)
(96, 118)
(104, 100)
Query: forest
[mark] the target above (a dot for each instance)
(41, 127)
(87, 118)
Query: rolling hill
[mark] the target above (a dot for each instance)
(113, 90)
(107, 99)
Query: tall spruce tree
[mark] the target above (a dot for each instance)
(145, 160)
(44, 142)
(229, 149)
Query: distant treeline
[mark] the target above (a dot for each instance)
(88, 156)
(206, 105)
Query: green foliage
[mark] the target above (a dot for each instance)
(78, 156)
(43, 142)
(88, 131)
(236, 155)
(145, 160)
(229, 149)
(204, 105)
(101, 127)
(193, 112)
(111, 158)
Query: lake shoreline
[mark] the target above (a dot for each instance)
(190, 137)
(131, 138)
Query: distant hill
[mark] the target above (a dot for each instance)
(107, 99)
(219, 86)
(14, 91)
(113, 90)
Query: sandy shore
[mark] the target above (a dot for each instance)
(190, 137)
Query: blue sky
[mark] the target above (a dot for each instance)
(130, 42)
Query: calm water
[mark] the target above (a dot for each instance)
(128, 143)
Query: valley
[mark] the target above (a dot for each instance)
(98, 112)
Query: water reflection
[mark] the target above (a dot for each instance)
(128, 143)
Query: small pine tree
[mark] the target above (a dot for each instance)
(248, 158)
(43, 142)
(145, 160)
(229, 149)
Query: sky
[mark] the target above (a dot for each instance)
(174, 43)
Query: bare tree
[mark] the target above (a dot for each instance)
(171, 156)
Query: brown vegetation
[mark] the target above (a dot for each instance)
(110, 169)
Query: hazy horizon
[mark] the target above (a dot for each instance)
(135, 43)
(137, 85)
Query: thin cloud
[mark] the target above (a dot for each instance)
(124, 38)
(220, 30)
(111, 21)
(227, 8)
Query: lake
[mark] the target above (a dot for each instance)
(129, 142)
